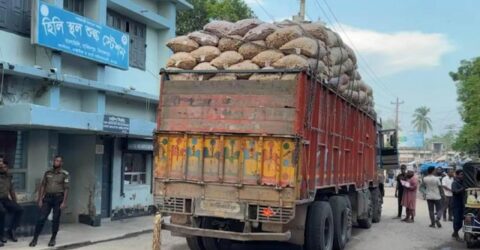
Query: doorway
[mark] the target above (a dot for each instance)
(107, 178)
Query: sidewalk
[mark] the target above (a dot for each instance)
(76, 235)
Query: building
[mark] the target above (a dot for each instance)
(96, 114)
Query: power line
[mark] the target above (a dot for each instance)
(265, 10)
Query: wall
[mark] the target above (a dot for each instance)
(79, 160)
(134, 109)
(137, 196)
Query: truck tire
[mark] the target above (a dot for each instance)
(213, 243)
(350, 218)
(340, 221)
(195, 243)
(376, 205)
(367, 222)
(319, 230)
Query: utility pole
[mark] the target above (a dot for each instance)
(397, 109)
(301, 14)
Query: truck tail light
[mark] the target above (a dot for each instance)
(268, 212)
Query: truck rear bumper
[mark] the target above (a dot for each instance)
(190, 231)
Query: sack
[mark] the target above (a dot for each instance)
(205, 53)
(292, 62)
(219, 28)
(336, 55)
(182, 44)
(223, 77)
(260, 32)
(267, 58)
(332, 39)
(347, 66)
(204, 38)
(243, 26)
(265, 76)
(305, 46)
(289, 77)
(204, 66)
(319, 65)
(339, 81)
(230, 43)
(182, 60)
(227, 59)
(351, 53)
(282, 36)
(251, 49)
(316, 30)
(182, 76)
(356, 75)
(364, 87)
(245, 65)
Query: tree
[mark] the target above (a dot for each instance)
(467, 79)
(421, 122)
(206, 10)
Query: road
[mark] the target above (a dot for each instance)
(389, 234)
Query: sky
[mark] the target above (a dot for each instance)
(407, 48)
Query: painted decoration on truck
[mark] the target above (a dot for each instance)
(212, 153)
(61, 30)
(194, 158)
(252, 160)
(287, 174)
(271, 161)
(232, 159)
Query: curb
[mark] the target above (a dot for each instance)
(89, 243)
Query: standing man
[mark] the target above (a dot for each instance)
(458, 200)
(399, 189)
(432, 193)
(8, 204)
(52, 195)
(447, 182)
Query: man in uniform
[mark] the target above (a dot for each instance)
(52, 195)
(8, 204)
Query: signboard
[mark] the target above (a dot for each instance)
(116, 124)
(140, 145)
(65, 31)
(411, 140)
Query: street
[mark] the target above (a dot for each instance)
(389, 234)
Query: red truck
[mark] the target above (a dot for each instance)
(273, 160)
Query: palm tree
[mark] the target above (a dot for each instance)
(421, 122)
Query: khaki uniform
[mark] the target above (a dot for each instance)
(8, 205)
(5, 185)
(56, 181)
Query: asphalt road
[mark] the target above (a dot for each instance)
(390, 234)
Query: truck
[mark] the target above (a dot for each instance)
(265, 160)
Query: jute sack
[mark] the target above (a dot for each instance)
(339, 69)
(282, 36)
(305, 46)
(289, 77)
(204, 38)
(260, 32)
(205, 53)
(245, 65)
(204, 66)
(351, 53)
(223, 77)
(339, 81)
(226, 59)
(243, 26)
(316, 30)
(182, 76)
(332, 38)
(319, 65)
(265, 76)
(356, 75)
(230, 43)
(291, 62)
(364, 87)
(251, 49)
(182, 44)
(267, 58)
(336, 55)
(218, 27)
(182, 60)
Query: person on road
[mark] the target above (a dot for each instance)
(399, 189)
(8, 203)
(409, 197)
(447, 188)
(458, 200)
(52, 195)
(434, 198)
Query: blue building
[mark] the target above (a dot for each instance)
(66, 97)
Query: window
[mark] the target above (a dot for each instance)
(135, 168)
(12, 145)
(15, 16)
(75, 6)
(136, 31)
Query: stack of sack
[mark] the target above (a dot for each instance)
(251, 44)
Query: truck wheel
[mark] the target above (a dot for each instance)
(469, 240)
(214, 243)
(319, 230)
(377, 205)
(340, 221)
(195, 243)
(367, 222)
(349, 217)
